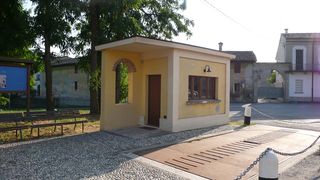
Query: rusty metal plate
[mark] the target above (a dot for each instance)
(221, 157)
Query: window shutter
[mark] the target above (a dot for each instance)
(299, 86)
(237, 67)
(299, 60)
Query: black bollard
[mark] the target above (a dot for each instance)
(247, 116)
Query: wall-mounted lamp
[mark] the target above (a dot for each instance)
(208, 69)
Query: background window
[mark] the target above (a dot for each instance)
(75, 85)
(237, 67)
(236, 87)
(299, 60)
(38, 90)
(201, 87)
(299, 86)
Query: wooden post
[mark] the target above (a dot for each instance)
(247, 116)
(11, 62)
(28, 88)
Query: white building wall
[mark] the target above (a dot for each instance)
(280, 57)
(279, 80)
(316, 85)
(306, 84)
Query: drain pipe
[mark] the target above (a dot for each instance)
(312, 71)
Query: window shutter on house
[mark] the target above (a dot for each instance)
(237, 67)
(299, 86)
(299, 60)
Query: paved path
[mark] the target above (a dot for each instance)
(291, 115)
(215, 157)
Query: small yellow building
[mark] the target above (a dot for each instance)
(172, 86)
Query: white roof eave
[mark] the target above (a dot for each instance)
(161, 44)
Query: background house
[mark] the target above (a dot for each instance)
(241, 79)
(70, 86)
(302, 51)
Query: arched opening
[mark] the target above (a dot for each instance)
(131, 67)
(270, 86)
(275, 79)
(123, 68)
(122, 83)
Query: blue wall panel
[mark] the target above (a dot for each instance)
(16, 78)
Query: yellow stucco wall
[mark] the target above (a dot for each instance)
(119, 115)
(157, 66)
(193, 67)
(183, 116)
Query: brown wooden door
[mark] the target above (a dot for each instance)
(154, 98)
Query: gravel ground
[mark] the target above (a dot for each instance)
(87, 156)
(308, 168)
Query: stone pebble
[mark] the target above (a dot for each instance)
(94, 155)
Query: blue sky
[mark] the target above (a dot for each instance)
(262, 22)
(255, 26)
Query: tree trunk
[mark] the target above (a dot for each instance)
(47, 60)
(94, 104)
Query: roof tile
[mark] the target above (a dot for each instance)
(243, 55)
(64, 61)
(301, 35)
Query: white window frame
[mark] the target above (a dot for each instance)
(294, 56)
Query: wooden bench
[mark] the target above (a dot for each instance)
(13, 117)
(53, 115)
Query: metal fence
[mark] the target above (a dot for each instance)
(270, 92)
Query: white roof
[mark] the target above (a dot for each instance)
(140, 44)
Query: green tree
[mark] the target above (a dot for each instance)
(109, 20)
(53, 24)
(16, 36)
(272, 79)
(122, 83)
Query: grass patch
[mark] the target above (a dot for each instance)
(240, 124)
(45, 132)
(33, 110)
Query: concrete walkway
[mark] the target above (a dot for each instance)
(226, 155)
(138, 132)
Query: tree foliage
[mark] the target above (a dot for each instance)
(16, 36)
(124, 83)
(53, 24)
(272, 79)
(3, 99)
(109, 20)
